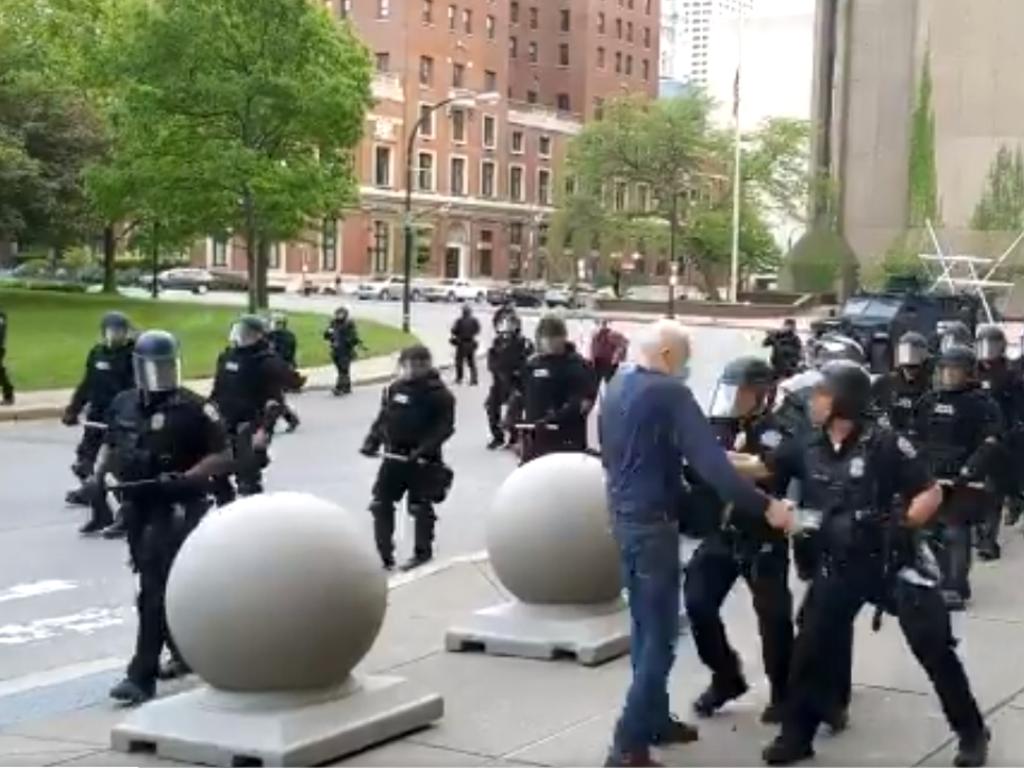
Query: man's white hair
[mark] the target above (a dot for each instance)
(659, 336)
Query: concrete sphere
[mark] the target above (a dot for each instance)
(548, 532)
(275, 592)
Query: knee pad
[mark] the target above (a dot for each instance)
(381, 508)
(424, 511)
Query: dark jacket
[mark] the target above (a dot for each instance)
(248, 382)
(416, 416)
(464, 332)
(507, 358)
(343, 336)
(108, 372)
(786, 352)
(285, 344)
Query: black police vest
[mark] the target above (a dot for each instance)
(953, 430)
(903, 404)
(549, 384)
(999, 385)
(409, 413)
(146, 442)
(110, 373)
(241, 388)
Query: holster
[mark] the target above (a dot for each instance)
(436, 479)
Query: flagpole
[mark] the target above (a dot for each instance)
(734, 291)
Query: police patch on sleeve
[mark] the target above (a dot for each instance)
(771, 438)
(906, 447)
(157, 422)
(211, 412)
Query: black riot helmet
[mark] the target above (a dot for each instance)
(247, 331)
(955, 369)
(115, 329)
(990, 344)
(341, 313)
(744, 388)
(849, 386)
(953, 333)
(414, 362)
(279, 321)
(552, 335)
(156, 362)
(911, 350)
(832, 347)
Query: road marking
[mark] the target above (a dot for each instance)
(432, 569)
(35, 589)
(83, 623)
(58, 675)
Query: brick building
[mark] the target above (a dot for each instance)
(485, 174)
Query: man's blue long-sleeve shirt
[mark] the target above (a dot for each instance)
(650, 422)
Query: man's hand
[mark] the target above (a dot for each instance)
(260, 439)
(70, 418)
(370, 450)
(781, 515)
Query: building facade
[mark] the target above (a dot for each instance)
(485, 171)
(688, 35)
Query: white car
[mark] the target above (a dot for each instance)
(387, 288)
(452, 289)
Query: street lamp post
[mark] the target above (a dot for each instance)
(467, 100)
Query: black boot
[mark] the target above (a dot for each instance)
(132, 694)
(718, 694)
(772, 714)
(173, 669)
(416, 561)
(676, 732)
(117, 529)
(785, 750)
(972, 750)
(94, 526)
(79, 497)
(496, 442)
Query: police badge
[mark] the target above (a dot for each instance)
(857, 467)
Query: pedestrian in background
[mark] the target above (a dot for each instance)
(608, 349)
(6, 388)
(343, 337)
(464, 332)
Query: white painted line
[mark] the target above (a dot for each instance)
(83, 623)
(36, 589)
(434, 568)
(58, 675)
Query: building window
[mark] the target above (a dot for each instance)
(491, 27)
(600, 22)
(458, 126)
(562, 102)
(621, 196)
(570, 186)
(618, 61)
(452, 11)
(643, 198)
(542, 235)
(531, 54)
(516, 192)
(513, 12)
(647, 7)
(515, 233)
(534, 17)
(220, 252)
(544, 146)
(458, 75)
(428, 11)
(425, 172)
(426, 70)
(458, 176)
(618, 28)
(647, 37)
(629, 4)
(490, 81)
(544, 186)
(600, 58)
(488, 178)
(424, 246)
(467, 21)
(565, 20)
(427, 121)
(346, 8)
(531, 97)
(629, 31)
(382, 166)
(486, 249)
(629, 64)
(513, 47)
(383, 9)
(490, 138)
(380, 247)
(517, 142)
(383, 61)
(563, 54)
(647, 69)
(329, 246)
(274, 256)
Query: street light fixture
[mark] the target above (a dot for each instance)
(458, 98)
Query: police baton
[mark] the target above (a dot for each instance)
(534, 427)
(401, 458)
(973, 485)
(96, 425)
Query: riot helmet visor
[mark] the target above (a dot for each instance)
(991, 348)
(910, 354)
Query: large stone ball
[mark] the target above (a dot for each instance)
(548, 532)
(275, 592)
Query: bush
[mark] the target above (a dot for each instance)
(818, 262)
(54, 286)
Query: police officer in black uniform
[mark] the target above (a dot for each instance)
(284, 343)
(959, 431)
(463, 337)
(162, 444)
(343, 337)
(417, 416)
(6, 387)
(787, 349)
(248, 391)
(108, 372)
(849, 474)
(898, 394)
(559, 389)
(953, 333)
(740, 414)
(506, 360)
(997, 378)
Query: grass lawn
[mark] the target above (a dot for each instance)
(49, 334)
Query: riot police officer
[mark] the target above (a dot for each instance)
(6, 388)
(849, 473)
(463, 337)
(343, 338)
(286, 345)
(416, 418)
(162, 445)
(834, 346)
(953, 333)
(998, 380)
(959, 429)
(787, 349)
(506, 360)
(108, 371)
(898, 393)
(559, 390)
(248, 391)
(740, 415)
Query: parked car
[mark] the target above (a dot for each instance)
(384, 288)
(191, 279)
(452, 289)
(570, 297)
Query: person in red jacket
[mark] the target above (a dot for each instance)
(608, 348)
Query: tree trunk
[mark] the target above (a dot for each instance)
(251, 250)
(109, 259)
(262, 262)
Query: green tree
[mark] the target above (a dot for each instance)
(775, 168)
(922, 174)
(259, 104)
(1002, 203)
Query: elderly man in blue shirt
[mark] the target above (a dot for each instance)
(650, 422)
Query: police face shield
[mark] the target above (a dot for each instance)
(990, 349)
(952, 378)
(115, 335)
(154, 375)
(909, 354)
(242, 336)
(507, 326)
(551, 345)
(820, 405)
(734, 401)
(414, 368)
(278, 322)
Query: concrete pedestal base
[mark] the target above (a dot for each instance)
(591, 634)
(214, 727)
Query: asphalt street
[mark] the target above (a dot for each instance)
(66, 603)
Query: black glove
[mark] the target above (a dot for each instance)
(70, 417)
(370, 450)
(177, 483)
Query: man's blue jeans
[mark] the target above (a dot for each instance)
(649, 555)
